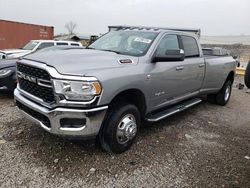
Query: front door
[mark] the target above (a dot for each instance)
(173, 79)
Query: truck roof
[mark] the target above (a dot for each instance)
(125, 27)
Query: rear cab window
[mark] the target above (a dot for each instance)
(190, 46)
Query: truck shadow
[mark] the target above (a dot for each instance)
(73, 158)
(6, 95)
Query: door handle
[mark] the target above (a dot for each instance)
(179, 68)
(201, 65)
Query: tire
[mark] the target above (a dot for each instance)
(247, 75)
(120, 128)
(223, 96)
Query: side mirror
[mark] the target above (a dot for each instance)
(170, 55)
(235, 57)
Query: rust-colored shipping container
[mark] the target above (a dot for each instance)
(16, 34)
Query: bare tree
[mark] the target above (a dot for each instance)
(237, 50)
(70, 26)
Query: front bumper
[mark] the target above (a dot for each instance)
(62, 121)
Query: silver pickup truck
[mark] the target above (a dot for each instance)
(128, 76)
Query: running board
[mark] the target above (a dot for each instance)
(173, 110)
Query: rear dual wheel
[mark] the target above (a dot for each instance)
(223, 96)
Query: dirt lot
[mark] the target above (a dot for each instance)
(205, 146)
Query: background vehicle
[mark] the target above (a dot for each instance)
(129, 75)
(247, 75)
(216, 51)
(8, 68)
(2, 55)
(8, 74)
(55, 48)
(33, 46)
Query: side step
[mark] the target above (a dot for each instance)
(173, 110)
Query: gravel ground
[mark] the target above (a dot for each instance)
(205, 146)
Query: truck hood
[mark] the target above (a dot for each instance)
(81, 61)
(14, 51)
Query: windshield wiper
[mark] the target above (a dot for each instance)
(90, 48)
(106, 50)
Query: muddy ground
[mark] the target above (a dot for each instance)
(205, 146)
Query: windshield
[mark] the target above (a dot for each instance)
(134, 43)
(30, 46)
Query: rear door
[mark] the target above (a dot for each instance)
(193, 65)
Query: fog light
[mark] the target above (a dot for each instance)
(72, 123)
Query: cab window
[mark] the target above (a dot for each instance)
(74, 44)
(169, 42)
(61, 44)
(190, 46)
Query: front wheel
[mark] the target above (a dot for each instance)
(120, 128)
(223, 96)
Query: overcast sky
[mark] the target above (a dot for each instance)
(214, 17)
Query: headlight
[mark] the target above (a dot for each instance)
(5, 72)
(77, 90)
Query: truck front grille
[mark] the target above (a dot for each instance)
(28, 82)
(44, 93)
(33, 71)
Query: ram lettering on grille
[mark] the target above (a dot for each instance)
(36, 82)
